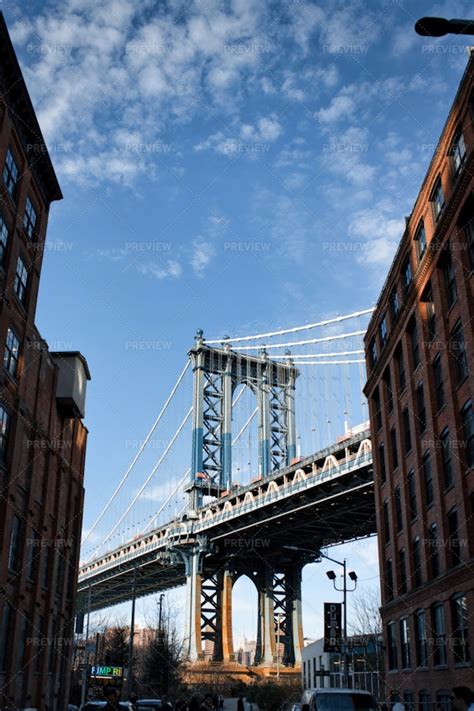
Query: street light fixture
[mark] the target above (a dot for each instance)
(332, 576)
(439, 26)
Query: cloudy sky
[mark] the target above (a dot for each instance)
(235, 166)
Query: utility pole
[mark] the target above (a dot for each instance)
(86, 654)
(160, 613)
(130, 684)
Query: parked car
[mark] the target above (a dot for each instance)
(337, 700)
(148, 704)
(96, 705)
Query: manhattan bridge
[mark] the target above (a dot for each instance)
(275, 430)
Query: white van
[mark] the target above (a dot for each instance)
(337, 700)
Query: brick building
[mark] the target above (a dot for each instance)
(420, 364)
(42, 438)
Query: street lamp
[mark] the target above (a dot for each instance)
(439, 26)
(353, 576)
(332, 576)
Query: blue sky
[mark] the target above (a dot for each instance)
(236, 166)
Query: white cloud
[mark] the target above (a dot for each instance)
(246, 139)
(201, 256)
(340, 107)
(380, 228)
(161, 270)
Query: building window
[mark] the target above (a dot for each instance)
(424, 698)
(427, 299)
(421, 642)
(3, 240)
(439, 634)
(393, 442)
(437, 198)
(417, 576)
(383, 331)
(443, 700)
(454, 546)
(388, 580)
(392, 646)
(409, 700)
(449, 277)
(406, 430)
(32, 556)
(428, 479)
(5, 629)
(4, 429)
(21, 280)
(30, 218)
(11, 353)
(388, 389)
(420, 239)
(405, 643)
(377, 409)
(11, 174)
(383, 469)
(14, 548)
(398, 508)
(446, 458)
(412, 494)
(469, 232)
(394, 304)
(458, 352)
(406, 276)
(46, 567)
(415, 345)
(434, 550)
(400, 368)
(386, 522)
(467, 422)
(372, 352)
(420, 408)
(402, 572)
(462, 654)
(458, 152)
(24, 625)
(438, 382)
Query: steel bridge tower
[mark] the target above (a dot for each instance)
(217, 374)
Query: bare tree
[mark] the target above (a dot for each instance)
(365, 617)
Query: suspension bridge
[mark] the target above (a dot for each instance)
(280, 468)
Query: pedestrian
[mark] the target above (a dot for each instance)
(462, 699)
(398, 706)
(111, 698)
(240, 704)
(133, 698)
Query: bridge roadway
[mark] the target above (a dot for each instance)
(322, 500)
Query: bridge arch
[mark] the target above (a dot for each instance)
(246, 618)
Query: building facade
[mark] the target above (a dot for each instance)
(420, 365)
(42, 437)
(324, 670)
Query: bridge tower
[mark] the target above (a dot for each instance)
(217, 373)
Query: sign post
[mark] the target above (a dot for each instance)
(333, 627)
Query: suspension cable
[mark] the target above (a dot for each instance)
(302, 343)
(139, 453)
(140, 491)
(297, 329)
(320, 355)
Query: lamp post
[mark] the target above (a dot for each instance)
(353, 576)
(439, 26)
(332, 576)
